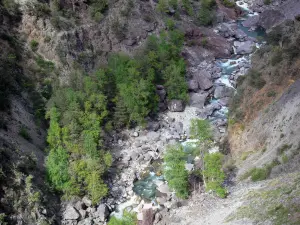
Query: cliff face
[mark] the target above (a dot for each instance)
(265, 107)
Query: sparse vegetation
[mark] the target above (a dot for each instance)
(34, 45)
(255, 79)
(24, 133)
(258, 174)
(228, 3)
(127, 219)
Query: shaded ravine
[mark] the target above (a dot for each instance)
(146, 188)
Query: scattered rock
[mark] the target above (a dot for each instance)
(154, 136)
(176, 106)
(223, 91)
(71, 213)
(193, 85)
(198, 99)
(101, 213)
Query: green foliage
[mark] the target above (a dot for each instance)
(97, 7)
(118, 28)
(33, 197)
(76, 163)
(174, 75)
(24, 133)
(162, 6)
(206, 16)
(258, 174)
(44, 64)
(2, 219)
(277, 56)
(34, 45)
(11, 6)
(255, 79)
(200, 129)
(267, 2)
(38, 9)
(228, 3)
(127, 219)
(213, 173)
(271, 93)
(188, 7)
(175, 172)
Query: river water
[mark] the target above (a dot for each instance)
(146, 187)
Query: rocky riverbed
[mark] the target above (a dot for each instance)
(211, 84)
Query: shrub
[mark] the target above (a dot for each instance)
(118, 29)
(283, 148)
(255, 79)
(284, 158)
(162, 6)
(213, 174)
(127, 219)
(11, 6)
(24, 133)
(277, 57)
(271, 93)
(38, 9)
(206, 16)
(175, 172)
(34, 45)
(267, 2)
(97, 7)
(188, 7)
(258, 174)
(228, 3)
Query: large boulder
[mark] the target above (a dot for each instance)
(239, 34)
(245, 47)
(101, 213)
(251, 21)
(223, 91)
(176, 106)
(270, 18)
(198, 99)
(193, 85)
(71, 213)
(203, 80)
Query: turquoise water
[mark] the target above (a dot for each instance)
(259, 32)
(146, 188)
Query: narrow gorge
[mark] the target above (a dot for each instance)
(166, 112)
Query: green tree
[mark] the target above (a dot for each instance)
(175, 172)
(213, 173)
(57, 168)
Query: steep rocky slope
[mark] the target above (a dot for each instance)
(45, 43)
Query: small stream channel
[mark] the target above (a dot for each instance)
(146, 187)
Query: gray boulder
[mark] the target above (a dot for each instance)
(153, 136)
(252, 21)
(101, 213)
(223, 91)
(270, 18)
(71, 213)
(245, 47)
(176, 106)
(239, 34)
(193, 85)
(203, 79)
(198, 99)
(87, 221)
